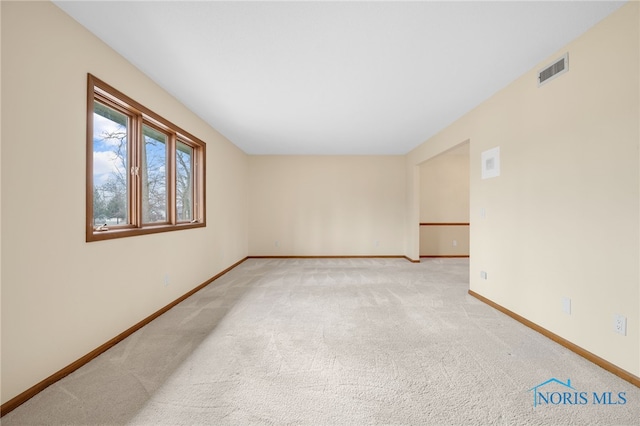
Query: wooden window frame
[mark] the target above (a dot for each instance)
(98, 90)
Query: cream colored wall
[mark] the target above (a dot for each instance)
(63, 297)
(562, 220)
(326, 205)
(444, 241)
(444, 198)
(0, 202)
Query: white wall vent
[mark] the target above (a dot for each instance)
(554, 70)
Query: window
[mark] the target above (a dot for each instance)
(144, 174)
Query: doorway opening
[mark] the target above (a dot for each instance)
(444, 204)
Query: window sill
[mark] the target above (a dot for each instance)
(93, 235)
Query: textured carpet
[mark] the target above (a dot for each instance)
(333, 342)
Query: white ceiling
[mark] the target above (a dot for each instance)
(334, 77)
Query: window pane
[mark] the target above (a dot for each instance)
(154, 175)
(110, 165)
(184, 182)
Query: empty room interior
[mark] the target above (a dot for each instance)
(497, 142)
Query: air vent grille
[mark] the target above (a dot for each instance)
(554, 70)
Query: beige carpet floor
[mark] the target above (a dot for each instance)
(333, 342)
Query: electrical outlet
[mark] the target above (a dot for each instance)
(566, 305)
(454, 243)
(620, 324)
(276, 243)
(166, 279)
(483, 275)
